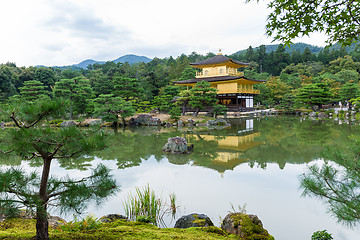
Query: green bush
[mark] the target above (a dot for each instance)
(55, 121)
(321, 235)
(88, 223)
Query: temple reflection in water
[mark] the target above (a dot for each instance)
(229, 148)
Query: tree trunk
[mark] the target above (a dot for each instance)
(313, 108)
(42, 223)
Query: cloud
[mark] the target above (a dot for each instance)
(63, 32)
(81, 21)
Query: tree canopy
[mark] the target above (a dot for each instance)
(33, 141)
(338, 186)
(338, 19)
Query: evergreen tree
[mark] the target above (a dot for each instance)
(307, 55)
(280, 60)
(250, 54)
(338, 186)
(46, 76)
(100, 83)
(109, 107)
(315, 94)
(7, 82)
(261, 57)
(296, 57)
(183, 100)
(127, 88)
(78, 91)
(202, 95)
(188, 73)
(31, 140)
(349, 91)
(33, 90)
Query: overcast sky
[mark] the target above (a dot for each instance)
(65, 32)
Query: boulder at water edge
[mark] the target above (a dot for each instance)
(193, 220)
(68, 124)
(245, 226)
(176, 145)
(112, 217)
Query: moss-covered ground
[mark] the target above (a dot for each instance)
(25, 229)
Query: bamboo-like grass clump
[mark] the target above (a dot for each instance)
(145, 206)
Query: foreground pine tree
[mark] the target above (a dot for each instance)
(32, 140)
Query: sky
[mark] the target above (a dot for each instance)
(66, 32)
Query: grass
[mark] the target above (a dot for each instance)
(146, 206)
(25, 229)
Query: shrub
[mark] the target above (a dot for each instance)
(321, 235)
(88, 223)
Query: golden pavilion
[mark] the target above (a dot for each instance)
(234, 90)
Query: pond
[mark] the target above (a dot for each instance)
(256, 162)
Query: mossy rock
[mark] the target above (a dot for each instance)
(247, 227)
(193, 220)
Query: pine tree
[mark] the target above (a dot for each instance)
(32, 141)
(314, 94)
(127, 88)
(202, 95)
(338, 186)
(33, 90)
(109, 107)
(77, 90)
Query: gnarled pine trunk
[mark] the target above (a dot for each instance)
(42, 224)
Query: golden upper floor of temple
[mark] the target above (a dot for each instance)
(219, 65)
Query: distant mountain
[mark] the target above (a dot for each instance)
(301, 47)
(293, 47)
(86, 63)
(130, 58)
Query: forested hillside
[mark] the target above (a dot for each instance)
(145, 86)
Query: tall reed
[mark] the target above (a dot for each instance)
(148, 207)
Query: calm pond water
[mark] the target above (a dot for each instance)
(256, 162)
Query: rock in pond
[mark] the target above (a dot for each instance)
(217, 122)
(322, 115)
(176, 145)
(312, 114)
(144, 119)
(68, 124)
(193, 220)
(245, 226)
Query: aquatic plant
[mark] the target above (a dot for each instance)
(146, 206)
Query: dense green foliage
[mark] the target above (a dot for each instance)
(321, 235)
(338, 19)
(147, 86)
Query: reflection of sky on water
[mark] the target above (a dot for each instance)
(270, 193)
(218, 173)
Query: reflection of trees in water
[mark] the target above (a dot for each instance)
(289, 140)
(284, 140)
(338, 185)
